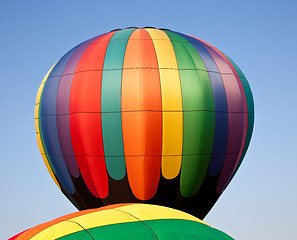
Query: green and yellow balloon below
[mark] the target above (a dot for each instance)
(125, 222)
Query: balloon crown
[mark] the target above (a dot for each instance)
(117, 29)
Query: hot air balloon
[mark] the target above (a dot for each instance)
(144, 116)
(124, 222)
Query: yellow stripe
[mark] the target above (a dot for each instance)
(129, 213)
(38, 96)
(152, 212)
(38, 138)
(58, 230)
(172, 133)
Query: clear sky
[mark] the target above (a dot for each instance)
(260, 36)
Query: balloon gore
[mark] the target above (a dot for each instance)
(144, 115)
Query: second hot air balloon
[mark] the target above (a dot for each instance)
(124, 222)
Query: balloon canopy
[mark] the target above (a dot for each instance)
(125, 222)
(144, 115)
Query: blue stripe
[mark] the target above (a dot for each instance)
(48, 122)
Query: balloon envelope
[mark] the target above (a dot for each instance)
(144, 115)
(125, 222)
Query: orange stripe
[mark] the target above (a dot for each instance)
(142, 115)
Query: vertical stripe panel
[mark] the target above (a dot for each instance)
(37, 128)
(172, 116)
(236, 118)
(221, 109)
(246, 119)
(198, 115)
(250, 111)
(244, 113)
(111, 104)
(142, 115)
(63, 109)
(49, 121)
(85, 117)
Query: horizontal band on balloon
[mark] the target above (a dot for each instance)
(200, 154)
(148, 68)
(173, 111)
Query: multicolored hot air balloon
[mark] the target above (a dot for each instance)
(144, 115)
(125, 222)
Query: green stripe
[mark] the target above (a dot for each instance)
(250, 108)
(198, 115)
(165, 229)
(111, 104)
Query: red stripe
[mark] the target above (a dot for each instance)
(85, 117)
(16, 236)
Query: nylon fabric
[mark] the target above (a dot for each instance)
(235, 117)
(250, 111)
(39, 138)
(111, 104)
(172, 116)
(123, 231)
(156, 229)
(198, 115)
(48, 122)
(144, 115)
(123, 222)
(58, 230)
(33, 231)
(85, 117)
(221, 109)
(141, 115)
(62, 108)
(245, 116)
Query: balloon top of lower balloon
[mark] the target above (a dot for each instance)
(144, 115)
(124, 222)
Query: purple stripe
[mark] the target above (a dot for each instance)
(235, 117)
(63, 108)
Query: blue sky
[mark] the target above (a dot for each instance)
(260, 36)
